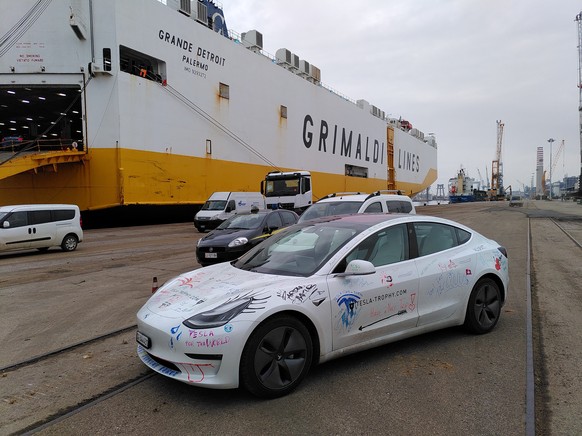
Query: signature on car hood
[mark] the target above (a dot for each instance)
(197, 290)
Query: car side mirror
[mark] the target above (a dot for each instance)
(6, 224)
(358, 268)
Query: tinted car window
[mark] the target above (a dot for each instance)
(384, 247)
(39, 216)
(297, 252)
(274, 221)
(18, 219)
(63, 215)
(287, 217)
(463, 236)
(434, 237)
(248, 221)
(214, 205)
(329, 208)
(398, 206)
(375, 207)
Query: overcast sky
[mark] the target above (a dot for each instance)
(452, 67)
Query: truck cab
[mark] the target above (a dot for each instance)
(287, 190)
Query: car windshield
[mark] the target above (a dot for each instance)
(214, 205)
(319, 210)
(2, 215)
(247, 222)
(299, 250)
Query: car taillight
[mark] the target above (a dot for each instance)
(503, 251)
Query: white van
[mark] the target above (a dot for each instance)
(222, 205)
(40, 226)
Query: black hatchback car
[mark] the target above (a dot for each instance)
(240, 233)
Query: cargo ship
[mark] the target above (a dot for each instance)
(140, 102)
(463, 189)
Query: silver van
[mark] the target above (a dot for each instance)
(40, 226)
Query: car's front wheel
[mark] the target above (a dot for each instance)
(69, 242)
(276, 357)
(484, 307)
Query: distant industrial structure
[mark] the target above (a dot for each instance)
(540, 182)
(579, 22)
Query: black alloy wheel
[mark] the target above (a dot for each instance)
(484, 307)
(276, 357)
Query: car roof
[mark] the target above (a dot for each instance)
(262, 212)
(372, 219)
(361, 197)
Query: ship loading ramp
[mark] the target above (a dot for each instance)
(37, 161)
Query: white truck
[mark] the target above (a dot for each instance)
(222, 205)
(287, 190)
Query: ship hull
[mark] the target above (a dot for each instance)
(206, 115)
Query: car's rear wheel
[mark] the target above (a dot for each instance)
(69, 242)
(484, 307)
(276, 357)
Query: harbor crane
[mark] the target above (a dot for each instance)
(497, 191)
(481, 182)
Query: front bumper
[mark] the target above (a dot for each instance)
(208, 358)
(217, 255)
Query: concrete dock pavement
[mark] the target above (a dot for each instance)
(447, 381)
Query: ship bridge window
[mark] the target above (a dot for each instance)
(139, 64)
(355, 171)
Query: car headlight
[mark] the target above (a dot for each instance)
(218, 316)
(238, 242)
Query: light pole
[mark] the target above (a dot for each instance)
(551, 140)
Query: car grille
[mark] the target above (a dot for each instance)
(212, 249)
(204, 356)
(165, 363)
